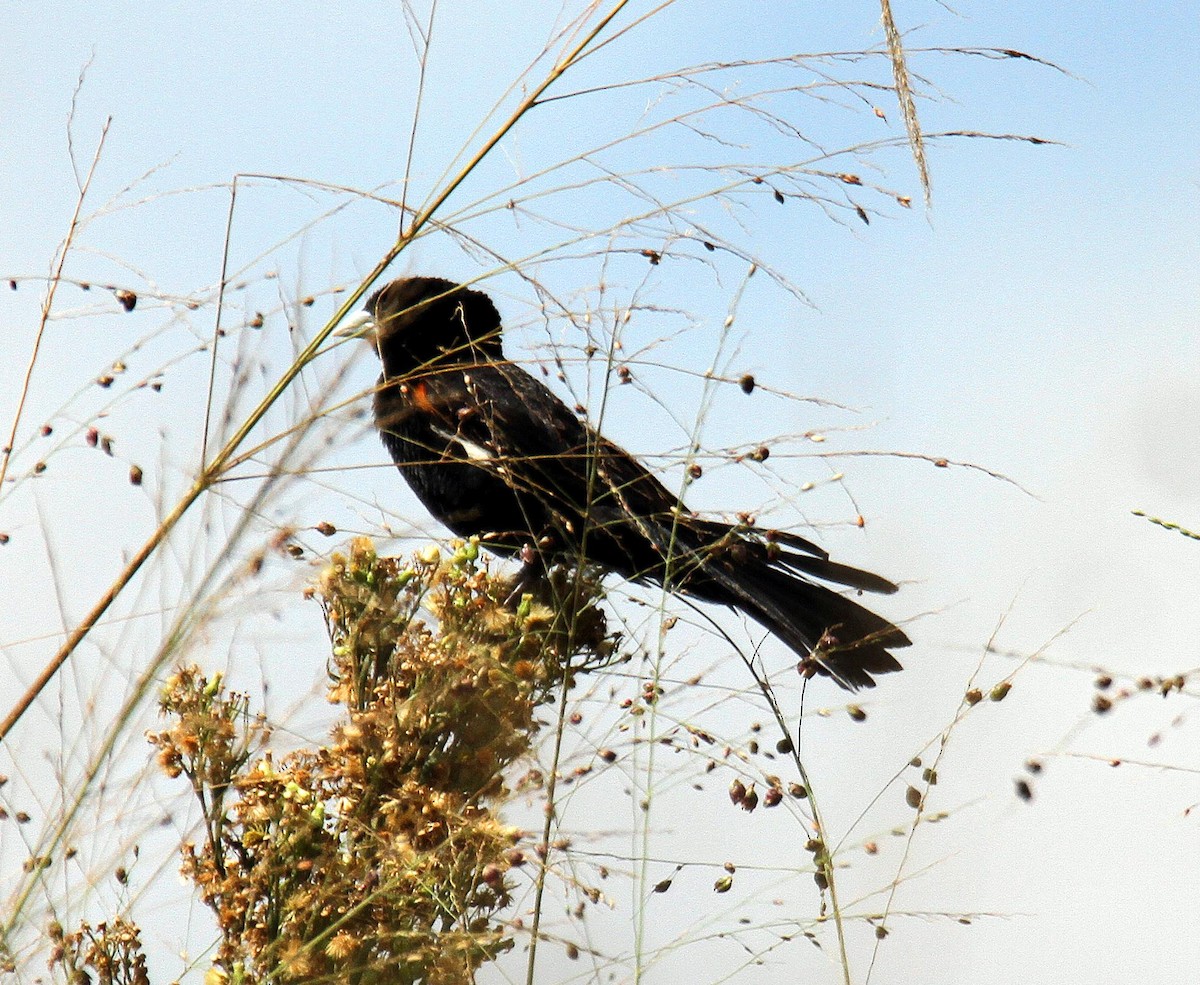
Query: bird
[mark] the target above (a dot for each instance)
(491, 452)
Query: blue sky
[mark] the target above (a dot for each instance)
(1040, 320)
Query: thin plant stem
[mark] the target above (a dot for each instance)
(55, 277)
(826, 860)
(548, 824)
(426, 40)
(216, 336)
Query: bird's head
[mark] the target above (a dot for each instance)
(415, 321)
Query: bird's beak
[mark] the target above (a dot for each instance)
(360, 325)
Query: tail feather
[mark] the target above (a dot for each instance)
(839, 574)
(766, 579)
(787, 550)
(846, 641)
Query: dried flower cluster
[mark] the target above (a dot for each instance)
(109, 953)
(381, 857)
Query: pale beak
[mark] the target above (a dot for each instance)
(358, 326)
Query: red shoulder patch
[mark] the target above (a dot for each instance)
(420, 397)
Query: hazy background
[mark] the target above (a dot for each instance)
(1039, 321)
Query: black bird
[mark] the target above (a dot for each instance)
(490, 451)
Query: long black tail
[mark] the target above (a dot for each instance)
(844, 640)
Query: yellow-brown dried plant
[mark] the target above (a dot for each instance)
(108, 953)
(381, 857)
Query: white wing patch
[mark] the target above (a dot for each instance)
(474, 451)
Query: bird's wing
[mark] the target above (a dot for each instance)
(509, 422)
